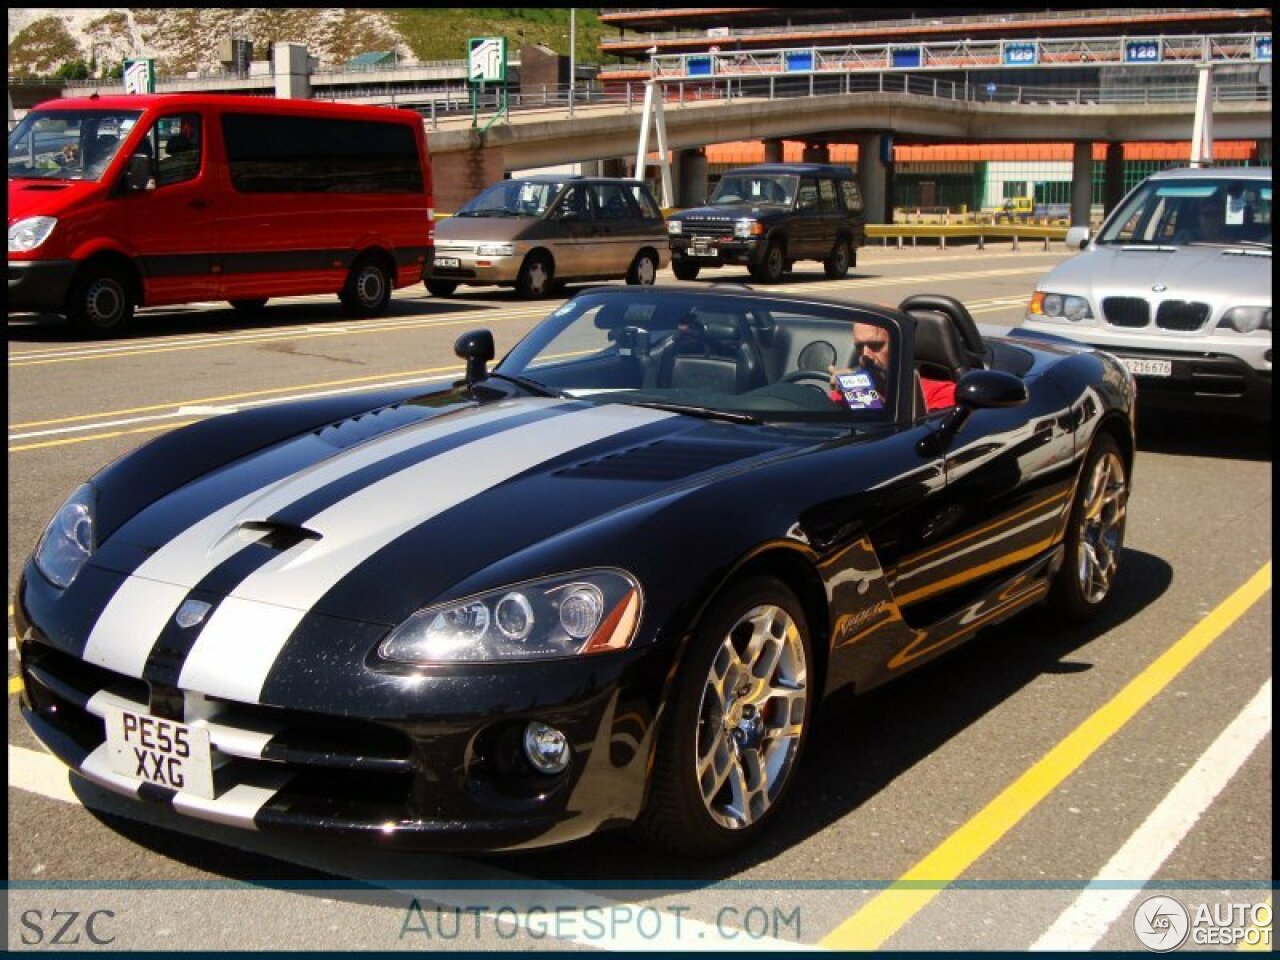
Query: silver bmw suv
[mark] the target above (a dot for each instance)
(1177, 285)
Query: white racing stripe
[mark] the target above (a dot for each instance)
(129, 626)
(1085, 922)
(245, 635)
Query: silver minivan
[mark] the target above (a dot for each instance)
(1177, 285)
(534, 233)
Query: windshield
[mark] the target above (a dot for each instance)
(755, 189)
(68, 144)
(729, 357)
(1215, 210)
(512, 198)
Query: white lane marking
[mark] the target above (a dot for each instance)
(231, 661)
(44, 775)
(1084, 923)
(127, 628)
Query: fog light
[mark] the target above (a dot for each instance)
(546, 747)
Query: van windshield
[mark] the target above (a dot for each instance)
(68, 144)
(512, 198)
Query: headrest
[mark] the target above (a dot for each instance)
(937, 342)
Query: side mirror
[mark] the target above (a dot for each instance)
(139, 173)
(476, 347)
(985, 389)
(1077, 238)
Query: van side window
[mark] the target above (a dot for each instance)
(178, 147)
(612, 202)
(827, 196)
(807, 196)
(576, 201)
(649, 208)
(852, 198)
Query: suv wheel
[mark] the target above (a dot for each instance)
(837, 264)
(774, 265)
(685, 270)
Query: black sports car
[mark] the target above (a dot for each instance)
(605, 583)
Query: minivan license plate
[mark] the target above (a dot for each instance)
(449, 263)
(1147, 367)
(164, 752)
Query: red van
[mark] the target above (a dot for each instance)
(138, 201)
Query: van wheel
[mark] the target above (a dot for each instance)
(837, 264)
(684, 270)
(644, 269)
(773, 266)
(441, 288)
(252, 306)
(101, 302)
(367, 290)
(534, 280)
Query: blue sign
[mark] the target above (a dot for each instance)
(1021, 54)
(1262, 48)
(1142, 51)
(799, 60)
(906, 56)
(698, 66)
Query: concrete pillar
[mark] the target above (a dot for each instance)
(1113, 178)
(591, 168)
(773, 152)
(1264, 152)
(689, 174)
(292, 71)
(458, 175)
(873, 179)
(816, 153)
(1081, 183)
(613, 167)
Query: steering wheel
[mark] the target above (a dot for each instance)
(817, 379)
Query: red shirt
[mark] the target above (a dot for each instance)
(938, 394)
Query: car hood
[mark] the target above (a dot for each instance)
(48, 198)
(1183, 273)
(374, 531)
(733, 211)
(483, 228)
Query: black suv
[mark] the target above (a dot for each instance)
(769, 216)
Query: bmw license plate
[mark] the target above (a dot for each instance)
(164, 752)
(449, 263)
(1147, 367)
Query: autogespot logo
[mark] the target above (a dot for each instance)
(1161, 924)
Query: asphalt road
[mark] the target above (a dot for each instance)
(994, 785)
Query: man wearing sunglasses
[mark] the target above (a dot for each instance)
(871, 346)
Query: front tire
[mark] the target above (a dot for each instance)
(773, 267)
(684, 270)
(441, 288)
(101, 303)
(368, 289)
(736, 726)
(1095, 534)
(535, 277)
(643, 270)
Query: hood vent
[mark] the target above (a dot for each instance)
(277, 536)
(666, 460)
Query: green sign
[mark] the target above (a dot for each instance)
(139, 76)
(487, 59)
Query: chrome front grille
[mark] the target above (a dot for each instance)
(1126, 311)
(706, 228)
(1182, 315)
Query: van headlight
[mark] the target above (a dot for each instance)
(1246, 319)
(495, 250)
(1059, 306)
(68, 541)
(28, 234)
(591, 611)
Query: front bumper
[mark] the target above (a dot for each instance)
(433, 762)
(710, 251)
(39, 286)
(476, 270)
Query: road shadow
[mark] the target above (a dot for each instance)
(855, 751)
(1198, 434)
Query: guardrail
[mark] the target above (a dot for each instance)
(980, 232)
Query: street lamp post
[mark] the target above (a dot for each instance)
(573, 43)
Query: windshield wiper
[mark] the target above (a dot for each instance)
(533, 386)
(707, 413)
(1158, 247)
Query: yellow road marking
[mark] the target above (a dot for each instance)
(15, 685)
(890, 910)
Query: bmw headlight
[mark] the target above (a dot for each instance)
(28, 234)
(592, 611)
(495, 249)
(675, 227)
(68, 541)
(746, 229)
(1059, 306)
(1246, 319)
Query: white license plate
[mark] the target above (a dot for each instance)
(1145, 367)
(163, 752)
(703, 248)
(450, 262)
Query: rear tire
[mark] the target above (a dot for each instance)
(441, 288)
(101, 302)
(535, 278)
(685, 270)
(1095, 534)
(836, 265)
(368, 288)
(251, 306)
(643, 270)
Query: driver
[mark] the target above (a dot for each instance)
(871, 347)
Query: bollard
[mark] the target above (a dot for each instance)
(899, 241)
(982, 242)
(942, 241)
(1046, 244)
(1015, 241)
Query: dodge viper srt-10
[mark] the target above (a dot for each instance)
(604, 583)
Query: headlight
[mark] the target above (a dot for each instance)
(68, 541)
(30, 233)
(1059, 306)
(675, 227)
(745, 229)
(592, 611)
(1246, 319)
(495, 249)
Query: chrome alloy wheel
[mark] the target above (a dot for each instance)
(1101, 532)
(751, 718)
